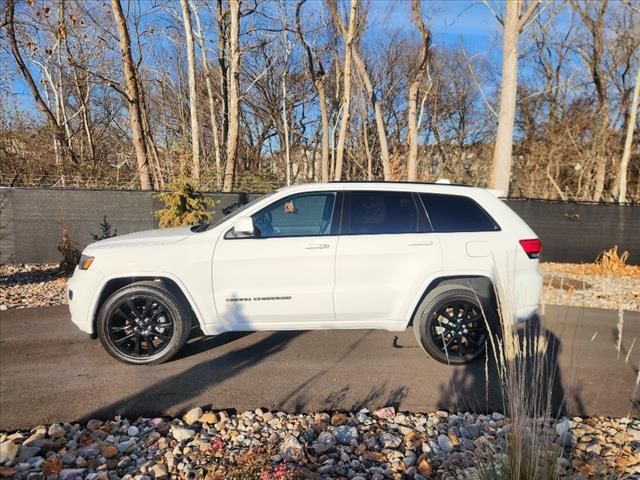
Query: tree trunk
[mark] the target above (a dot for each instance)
(378, 115)
(626, 155)
(133, 95)
(212, 105)
(193, 94)
(362, 70)
(318, 79)
(324, 115)
(234, 94)
(382, 137)
(56, 150)
(367, 150)
(501, 168)
(348, 37)
(222, 64)
(414, 88)
(285, 123)
(150, 144)
(412, 132)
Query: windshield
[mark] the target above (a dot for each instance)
(238, 211)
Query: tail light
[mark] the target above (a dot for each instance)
(532, 247)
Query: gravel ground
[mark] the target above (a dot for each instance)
(579, 286)
(23, 286)
(270, 445)
(34, 285)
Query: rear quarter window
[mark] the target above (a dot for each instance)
(456, 213)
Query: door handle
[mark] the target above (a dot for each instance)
(317, 246)
(426, 243)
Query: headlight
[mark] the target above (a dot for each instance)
(85, 262)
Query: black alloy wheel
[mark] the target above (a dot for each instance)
(458, 329)
(144, 323)
(453, 324)
(140, 326)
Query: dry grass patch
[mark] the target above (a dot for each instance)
(610, 263)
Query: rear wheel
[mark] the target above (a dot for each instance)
(451, 324)
(144, 324)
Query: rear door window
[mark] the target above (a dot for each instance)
(456, 213)
(370, 213)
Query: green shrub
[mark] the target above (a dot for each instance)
(105, 231)
(184, 205)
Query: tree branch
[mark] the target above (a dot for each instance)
(42, 106)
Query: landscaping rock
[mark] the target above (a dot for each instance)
(8, 451)
(408, 446)
(389, 440)
(158, 471)
(192, 416)
(346, 435)
(181, 434)
(291, 449)
(325, 443)
(445, 444)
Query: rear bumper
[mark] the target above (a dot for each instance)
(526, 293)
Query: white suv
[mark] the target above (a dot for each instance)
(319, 256)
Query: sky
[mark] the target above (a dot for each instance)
(451, 21)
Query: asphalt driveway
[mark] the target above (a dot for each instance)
(50, 371)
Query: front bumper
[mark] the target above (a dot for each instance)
(81, 293)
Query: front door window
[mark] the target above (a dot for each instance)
(297, 216)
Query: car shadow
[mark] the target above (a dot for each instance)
(478, 386)
(180, 388)
(199, 343)
(342, 397)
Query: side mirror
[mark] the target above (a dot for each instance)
(244, 227)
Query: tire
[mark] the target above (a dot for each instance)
(451, 324)
(143, 324)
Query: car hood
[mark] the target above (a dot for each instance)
(160, 236)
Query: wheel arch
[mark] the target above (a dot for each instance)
(481, 283)
(114, 284)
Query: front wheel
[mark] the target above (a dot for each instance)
(143, 324)
(451, 324)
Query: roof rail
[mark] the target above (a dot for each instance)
(402, 182)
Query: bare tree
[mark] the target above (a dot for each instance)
(282, 109)
(286, 45)
(414, 88)
(212, 104)
(513, 22)
(366, 79)
(234, 94)
(348, 38)
(318, 78)
(193, 95)
(626, 156)
(222, 25)
(594, 59)
(42, 106)
(133, 95)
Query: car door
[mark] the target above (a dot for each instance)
(283, 276)
(385, 253)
